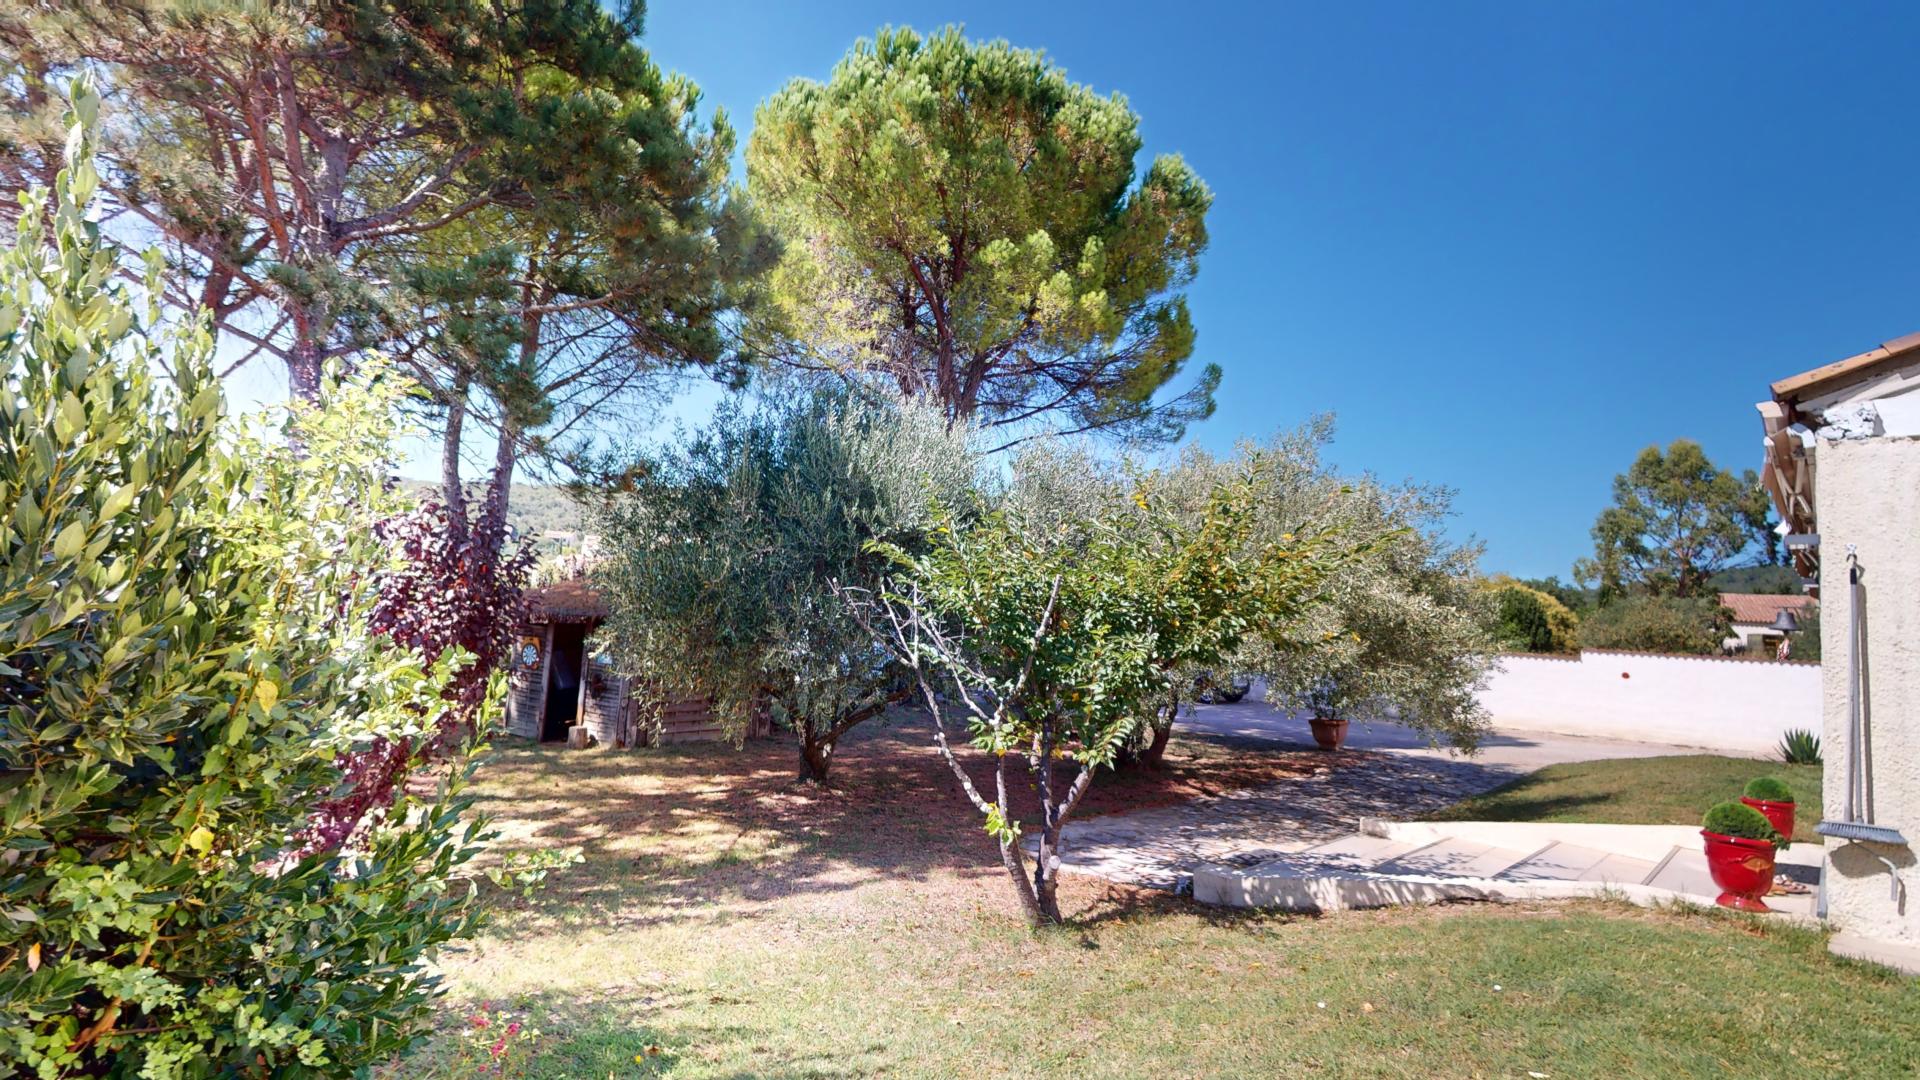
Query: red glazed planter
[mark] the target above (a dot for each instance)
(1742, 868)
(1778, 814)
(1329, 732)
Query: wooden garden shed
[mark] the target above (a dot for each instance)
(557, 683)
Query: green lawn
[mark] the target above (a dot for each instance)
(1165, 989)
(1639, 791)
(728, 925)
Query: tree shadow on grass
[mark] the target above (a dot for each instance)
(1120, 904)
(1512, 804)
(666, 832)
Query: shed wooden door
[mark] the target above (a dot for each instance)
(563, 681)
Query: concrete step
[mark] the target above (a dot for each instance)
(1452, 858)
(1423, 866)
(1354, 852)
(1573, 862)
(1620, 870)
(1684, 870)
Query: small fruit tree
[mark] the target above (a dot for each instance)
(188, 660)
(1051, 634)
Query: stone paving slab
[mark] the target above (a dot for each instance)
(1453, 858)
(1158, 847)
(1570, 862)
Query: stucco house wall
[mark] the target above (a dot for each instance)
(1869, 497)
(1730, 704)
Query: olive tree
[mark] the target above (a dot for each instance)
(1405, 629)
(188, 660)
(727, 557)
(1045, 635)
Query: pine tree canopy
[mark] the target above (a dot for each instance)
(432, 177)
(962, 221)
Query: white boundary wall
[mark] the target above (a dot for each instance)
(1717, 703)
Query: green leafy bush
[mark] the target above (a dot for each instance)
(1800, 747)
(1768, 789)
(187, 661)
(1741, 820)
(1529, 620)
(1666, 624)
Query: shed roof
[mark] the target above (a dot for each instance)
(572, 601)
(1762, 607)
(1852, 369)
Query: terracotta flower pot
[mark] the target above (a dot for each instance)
(1329, 732)
(1778, 814)
(1742, 868)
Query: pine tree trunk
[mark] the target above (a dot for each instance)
(503, 457)
(452, 491)
(303, 372)
(307, 357)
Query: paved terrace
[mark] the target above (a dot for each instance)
(1387, 771)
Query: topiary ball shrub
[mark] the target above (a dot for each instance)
(1740, 820)
(1768, 789)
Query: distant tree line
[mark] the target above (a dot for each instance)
(1679, 532)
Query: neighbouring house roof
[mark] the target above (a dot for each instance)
(1762, 607)
(1876, 392)
(565, 602)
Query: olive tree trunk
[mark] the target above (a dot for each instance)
(817, 740)
(816, 754)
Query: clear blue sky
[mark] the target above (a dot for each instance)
(1509, 244)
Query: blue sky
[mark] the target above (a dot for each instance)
(1509, 245)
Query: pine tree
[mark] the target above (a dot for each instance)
(964, 222)
(505, 195)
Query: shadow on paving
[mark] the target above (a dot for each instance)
(1157, 847)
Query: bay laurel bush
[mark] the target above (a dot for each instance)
(187, 660)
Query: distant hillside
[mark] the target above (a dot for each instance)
(532, 509)
(1766, 580)
(537, 508)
